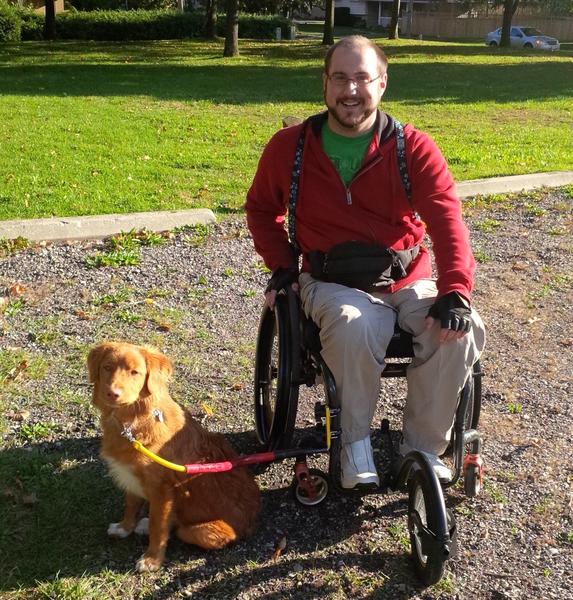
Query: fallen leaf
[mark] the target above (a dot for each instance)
(29, 499)
(16, 289)
(207, 409)
(237, 387)
(279, 548)
(164, 326)
(23, 415)
(83, 315)
(17, 370)
(519, 266)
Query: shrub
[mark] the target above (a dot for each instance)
(10, 24)
(32, 24)
(129, 25)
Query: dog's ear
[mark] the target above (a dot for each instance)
(159, 368)
(94, 360)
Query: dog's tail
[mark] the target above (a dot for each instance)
(212, 535)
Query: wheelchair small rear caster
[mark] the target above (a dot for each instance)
(473, 475)
(310, 487)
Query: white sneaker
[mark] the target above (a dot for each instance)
(357, 465)
(442, 472)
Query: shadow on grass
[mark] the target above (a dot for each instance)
(238, 83)
(56, 502)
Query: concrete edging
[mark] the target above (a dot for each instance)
(100, 226)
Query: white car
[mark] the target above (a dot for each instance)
(524, 37)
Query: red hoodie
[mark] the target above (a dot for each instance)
(373, 208)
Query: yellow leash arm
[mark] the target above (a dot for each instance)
(160, 461)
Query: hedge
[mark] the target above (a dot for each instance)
(32, 24)
(150, 25)
(10, 24)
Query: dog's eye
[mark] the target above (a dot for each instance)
(135, 373)
(107, 368)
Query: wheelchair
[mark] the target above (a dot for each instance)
(288, 357)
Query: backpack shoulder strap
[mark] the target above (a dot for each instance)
(401, 155)
(293, 190)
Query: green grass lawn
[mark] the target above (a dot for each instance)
(90, 128)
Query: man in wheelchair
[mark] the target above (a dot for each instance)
(361, 191)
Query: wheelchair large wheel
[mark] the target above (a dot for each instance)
(473, 410)
(423, 510)
(276, 365)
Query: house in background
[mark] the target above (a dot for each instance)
(39, 6)
(379, 12)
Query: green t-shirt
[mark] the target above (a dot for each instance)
(346, 153)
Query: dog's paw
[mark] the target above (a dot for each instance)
(142, 527)
(147, 565)
(115, 530)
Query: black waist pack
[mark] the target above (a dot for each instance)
(367, 267)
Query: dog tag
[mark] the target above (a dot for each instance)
(158, 414)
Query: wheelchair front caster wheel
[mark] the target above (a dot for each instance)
(472, 481)
(428, 556)
(312, 490)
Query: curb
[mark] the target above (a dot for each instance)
(512, 183)
(101, 226)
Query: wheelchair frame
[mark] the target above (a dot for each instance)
(288, 356)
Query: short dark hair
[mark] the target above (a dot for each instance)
(353, 41)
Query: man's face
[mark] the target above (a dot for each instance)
(351, 102)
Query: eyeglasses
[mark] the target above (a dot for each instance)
(360, 81)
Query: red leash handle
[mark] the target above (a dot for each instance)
(228, 465)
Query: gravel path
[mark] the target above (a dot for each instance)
(198, 298)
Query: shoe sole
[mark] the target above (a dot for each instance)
(361, 487)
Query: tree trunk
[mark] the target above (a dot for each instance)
(211, 19)
(328, 35)
(232, 36)
(50, 21)
(509, 8)
(393, 30)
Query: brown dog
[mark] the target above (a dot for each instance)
(211, 510)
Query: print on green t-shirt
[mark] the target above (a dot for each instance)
(346, 153)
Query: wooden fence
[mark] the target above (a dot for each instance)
(436, 25)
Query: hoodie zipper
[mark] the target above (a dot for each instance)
(364, 170)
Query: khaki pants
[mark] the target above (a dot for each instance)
(355, 330)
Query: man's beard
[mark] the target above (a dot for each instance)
(351, 121)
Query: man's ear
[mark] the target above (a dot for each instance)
(159, 369)
(383, 82)
(94, 360)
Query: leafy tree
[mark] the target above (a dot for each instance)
(328, 34)
(210, 19)
(393, 30)
(50, 21)
(547, 7)
(509, 8)
(232, 36)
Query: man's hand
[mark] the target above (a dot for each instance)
(280, 279)
(453, 311)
